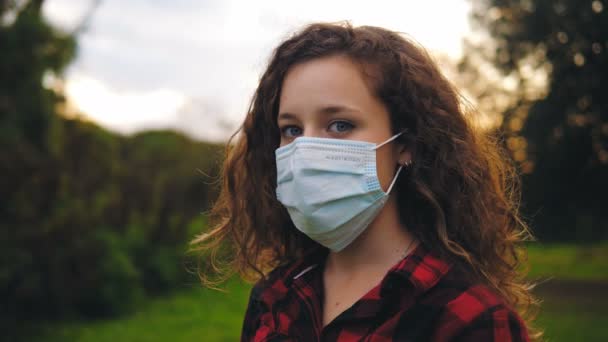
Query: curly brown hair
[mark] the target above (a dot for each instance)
(460, 199)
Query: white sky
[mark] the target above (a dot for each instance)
(193, 65)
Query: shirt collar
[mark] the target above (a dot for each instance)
(422, 267)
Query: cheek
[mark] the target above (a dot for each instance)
(386, 166)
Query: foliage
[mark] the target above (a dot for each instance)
(190, 315)
(90, 221)
(552, 62)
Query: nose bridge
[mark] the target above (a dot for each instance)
(313, 133)
(313, 128)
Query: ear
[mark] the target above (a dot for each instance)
(405, 155)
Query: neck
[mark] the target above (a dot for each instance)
(381, 245)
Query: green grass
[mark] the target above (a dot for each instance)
(569, 313)
(562, 261)
(566, 320)
(575, 300)
(190, 315)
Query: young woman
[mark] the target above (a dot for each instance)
(369, 206)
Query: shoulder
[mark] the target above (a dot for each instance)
(267, 295)
(264, 295)
(275, 279)
(276, 284)
(471, 311)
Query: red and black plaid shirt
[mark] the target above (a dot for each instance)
(421, 298)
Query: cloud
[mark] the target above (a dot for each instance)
(129, 111)
(217, 49)
(204, 119)
(124, 111)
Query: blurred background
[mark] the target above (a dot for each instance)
(114, 114)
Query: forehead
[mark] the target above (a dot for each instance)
(333, 80)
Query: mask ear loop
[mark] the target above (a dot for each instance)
(390, 187)
(390, 139)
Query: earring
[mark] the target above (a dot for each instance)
(408, 163)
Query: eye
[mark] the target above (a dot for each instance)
(341, 126)
(291, 131)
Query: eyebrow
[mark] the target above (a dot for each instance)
(327, 110)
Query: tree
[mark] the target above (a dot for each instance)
(553, 60)
(90, 221)
(31, 50)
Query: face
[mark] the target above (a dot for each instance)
(329, 98)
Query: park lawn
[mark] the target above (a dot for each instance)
(568, 261)
(579, 311)
(197, 314)
(566, 319)
(194, 314)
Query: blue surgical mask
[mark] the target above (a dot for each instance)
(330, 187)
